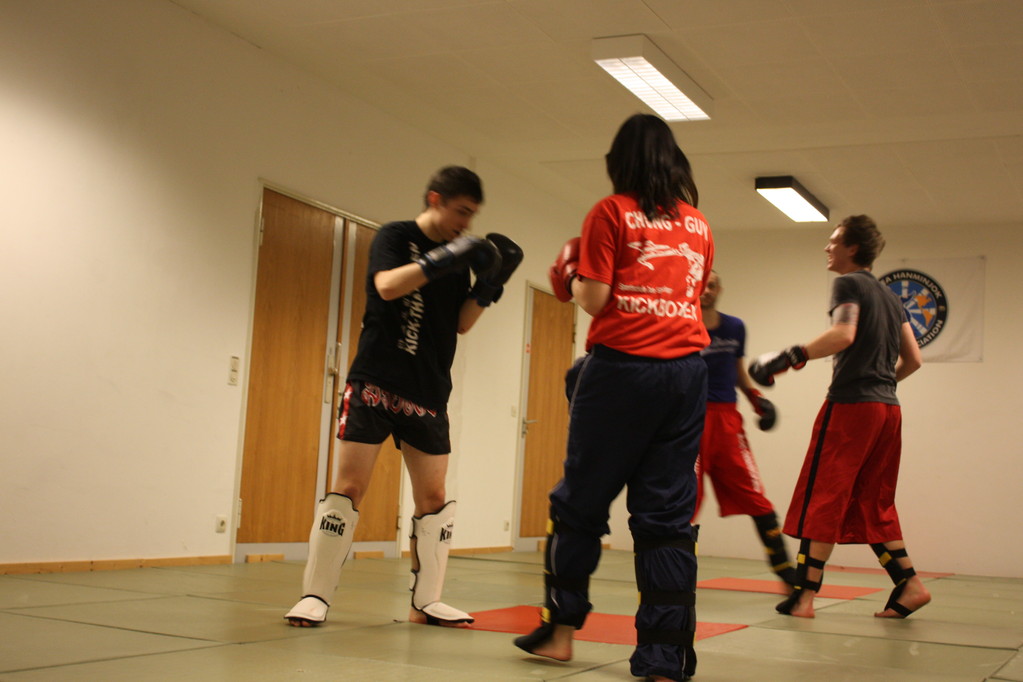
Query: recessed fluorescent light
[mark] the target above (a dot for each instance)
(792, 199)
(648, 73)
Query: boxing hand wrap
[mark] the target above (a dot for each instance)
(454, 256)
(765, 367)
(488, 287)
(764, 408)
(563, 271)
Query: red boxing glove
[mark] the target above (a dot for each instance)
(563, 271)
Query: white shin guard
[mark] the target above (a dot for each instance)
(330, 540)
(431, 535)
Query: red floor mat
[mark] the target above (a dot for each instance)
(600, 627)
(775, 587)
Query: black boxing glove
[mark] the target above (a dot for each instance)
(765, 367)
(457, 255)
(764, 408)
(489, 285)
(485, 262)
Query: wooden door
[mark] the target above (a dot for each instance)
(549, 355)
(286, 373)
(378, 511)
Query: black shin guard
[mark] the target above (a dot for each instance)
(549, 614)
(579, 586)
(889, 559)
(652, 596)
(803, 562)
(774, 545)
(530, 642)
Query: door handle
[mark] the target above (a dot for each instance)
(333, 378)
(334, 360)
(525, 425)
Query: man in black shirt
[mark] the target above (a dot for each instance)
(418, 300)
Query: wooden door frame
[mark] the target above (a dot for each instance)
(520, 445)
(374, 508)
(339, 315)
(297, 550)
(518, 543)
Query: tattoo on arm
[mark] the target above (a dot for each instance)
(846, 313)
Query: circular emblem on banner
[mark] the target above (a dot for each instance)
(923, 299)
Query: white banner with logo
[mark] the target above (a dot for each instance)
(945, 301)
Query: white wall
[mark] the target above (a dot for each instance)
(959, 487)
(131, 170)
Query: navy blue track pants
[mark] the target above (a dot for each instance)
(635, 422)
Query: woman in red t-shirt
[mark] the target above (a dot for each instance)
(637, 400)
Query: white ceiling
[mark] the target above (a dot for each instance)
(909, 110)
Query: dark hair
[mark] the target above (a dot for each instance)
(861, 231)
(455, 181)
(646, 160)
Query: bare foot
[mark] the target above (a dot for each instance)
(417, 616)
(804, 607)
(914, 596)
(558, 646)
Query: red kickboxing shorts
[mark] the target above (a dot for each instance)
(725, 457)
(846, 488)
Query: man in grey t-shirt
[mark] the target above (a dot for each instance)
(846, 489)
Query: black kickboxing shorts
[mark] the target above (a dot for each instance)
(369, 414)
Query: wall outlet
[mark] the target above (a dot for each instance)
(507, 525)
(220, 523)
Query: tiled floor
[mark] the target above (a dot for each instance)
(225, 623)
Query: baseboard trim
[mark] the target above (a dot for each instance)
(109, 564)
(468, 551)
(122, 564)
(367, 554)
